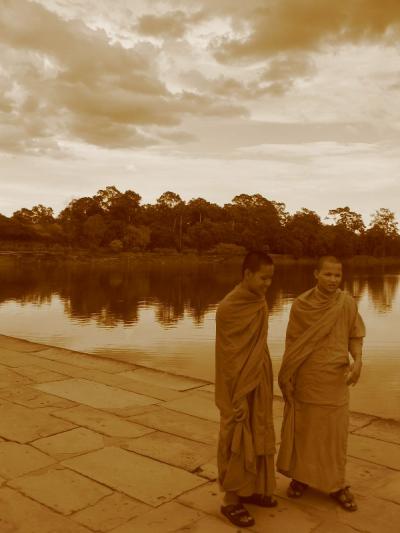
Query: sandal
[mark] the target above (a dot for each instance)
(238, 515)
(262, 500)
(296, 489)
(345, 499)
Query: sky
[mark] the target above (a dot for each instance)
(298, 100)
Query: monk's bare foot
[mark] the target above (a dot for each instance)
(262, 500)
(238, 515)
(296, 489)
(345, 499)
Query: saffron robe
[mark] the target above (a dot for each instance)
(246, 446)
(316, 363)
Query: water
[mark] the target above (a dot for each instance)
(162, 315)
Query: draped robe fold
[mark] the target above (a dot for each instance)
(246, 444)
(316, 361)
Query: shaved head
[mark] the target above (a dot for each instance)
(327, 259)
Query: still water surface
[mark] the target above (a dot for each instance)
(162, 316)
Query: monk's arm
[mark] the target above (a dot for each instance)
(355, 350)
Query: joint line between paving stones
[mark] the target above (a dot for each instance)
(374, 462)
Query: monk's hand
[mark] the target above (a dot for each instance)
(354, 373)
(241, 411)
(287, 392)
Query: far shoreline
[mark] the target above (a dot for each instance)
(170, 256)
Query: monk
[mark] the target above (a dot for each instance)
(243, 393)
(324, 327)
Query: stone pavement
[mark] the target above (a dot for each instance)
(91, 444)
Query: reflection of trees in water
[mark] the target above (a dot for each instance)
(112, 293)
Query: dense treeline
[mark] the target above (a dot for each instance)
(117, 220)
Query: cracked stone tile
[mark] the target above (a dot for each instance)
(209, 388)
(208, 471)
(73, 442)
(110, 512)
(94, 394)
(195, 405)
(387, 430)
(162, 379)
(359, 420)
(166, 519)
(22, 424)
(18, 459)
(375, 451)
(180, 424)
(176, 451)
(141, 478)
(102, 422)
(20, 514)
(62, 490)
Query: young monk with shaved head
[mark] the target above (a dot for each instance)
(243, 393)
(324, 327)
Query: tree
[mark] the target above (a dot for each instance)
(39, 214)
(347, 219)
(385, 220)
(94, 229)
(136, 237)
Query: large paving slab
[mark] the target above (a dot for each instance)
(19, 345)
(10, 379)
(195, 405)
(163, 379)
(61, 489)
(19, 514)
(142, 478)
(38, 374)
(94, 394)
(373, 516)
(102, 422)
(22, 424)
(30, 397)
(110, 512)
(133, 385)
(180, 424)
(375, 451)
(366, 477)
(82, 360)
(166, 519)
(16, 359)
(287, 517)
(209, 524)
(207, 498)
(390, 490)
(73, 442)
(18, 459)
(388, 430)
(173, 450)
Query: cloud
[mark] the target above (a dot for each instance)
(70, 82)
(304, 25)
(171, 24)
